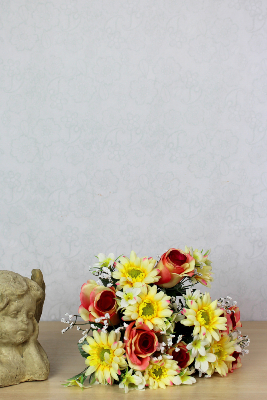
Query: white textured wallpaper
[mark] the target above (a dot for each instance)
(134, 125)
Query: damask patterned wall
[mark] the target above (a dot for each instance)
(134, 125)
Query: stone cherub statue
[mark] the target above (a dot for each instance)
(22, 358)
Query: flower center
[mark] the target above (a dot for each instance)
(219, 352)
(147, 309)
(204, 317)
(106, 262)
(158, 372)
(136, 273)
(197, 344)
(102, 354)
(128, 296)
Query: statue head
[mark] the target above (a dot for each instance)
(18, 298)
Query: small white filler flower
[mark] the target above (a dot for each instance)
(198, 346)
(136, 381)
(128, 296)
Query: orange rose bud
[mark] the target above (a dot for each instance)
(96, 301)
(174, 265)
(140, 343)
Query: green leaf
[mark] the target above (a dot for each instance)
(78, 375)
(92, 379)
(104, 281)
(83, 353)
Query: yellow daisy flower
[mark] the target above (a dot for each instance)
(106, 356)
(205, 316)
(162, 373)
(135, 272)
(222, 349)
(151, 308)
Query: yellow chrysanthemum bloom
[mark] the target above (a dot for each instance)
(205, 316)
(151, 308)
(162, 373)
(134, 272)
(106, 356)
(222, 349)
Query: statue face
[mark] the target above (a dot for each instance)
(16, 320)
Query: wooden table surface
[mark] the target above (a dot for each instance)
(248, 382)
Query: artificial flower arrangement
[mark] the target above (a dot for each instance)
(147, 327)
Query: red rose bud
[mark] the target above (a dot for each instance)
(182, 356)
(233, 318)
(235, 364)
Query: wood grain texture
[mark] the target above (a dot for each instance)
(248, 382)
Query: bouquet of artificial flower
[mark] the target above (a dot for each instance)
(147, 327)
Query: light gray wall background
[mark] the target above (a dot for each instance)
(134, 125)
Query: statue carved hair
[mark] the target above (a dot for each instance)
(12, 284)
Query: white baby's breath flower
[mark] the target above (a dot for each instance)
(128, 296)
(180, 337)
(168, 356)
(106, 270)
